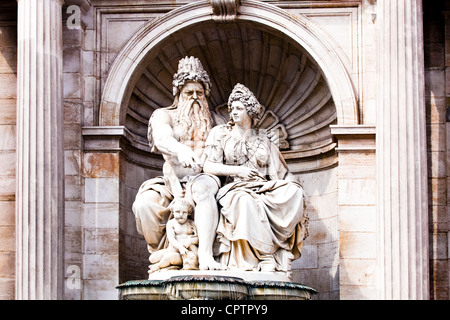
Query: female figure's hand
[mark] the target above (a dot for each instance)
(248, 173)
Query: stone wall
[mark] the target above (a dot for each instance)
(319, 265)
(133, 249)
(73, 161)
(436, 61)
(8, 94)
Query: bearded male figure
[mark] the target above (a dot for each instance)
(179, 132)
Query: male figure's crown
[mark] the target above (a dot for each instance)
(190, 69)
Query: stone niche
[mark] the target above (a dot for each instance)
(297, 101)
(286, 80)
(301, 99)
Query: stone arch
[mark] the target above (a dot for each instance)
(131, 60)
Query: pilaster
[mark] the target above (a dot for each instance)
(356, 211)
(402, 197)
(40, 162)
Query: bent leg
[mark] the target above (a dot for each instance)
(151, 213)
(206, 218)
(170, 259)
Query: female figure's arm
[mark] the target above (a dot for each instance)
(214, 158)
(220, 169)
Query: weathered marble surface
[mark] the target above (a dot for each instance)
(259, 222)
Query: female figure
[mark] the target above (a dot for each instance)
(262, 222)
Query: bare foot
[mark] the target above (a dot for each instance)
(210, 264)
(153, 268)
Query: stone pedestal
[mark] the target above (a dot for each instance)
(402, 206)
(40, 162)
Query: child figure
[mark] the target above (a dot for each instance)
(183, 240)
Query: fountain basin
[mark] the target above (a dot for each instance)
(276, 290)
(206, 288)
(212, 287)
(143, 290)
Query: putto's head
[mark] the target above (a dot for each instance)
(190, 69)
(183, 204)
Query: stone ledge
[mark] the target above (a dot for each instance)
(244, 275)
(355, 138)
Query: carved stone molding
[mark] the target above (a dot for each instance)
(118, 139)
(355, 139)
(224, 10)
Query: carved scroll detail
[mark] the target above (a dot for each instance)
(224, 10)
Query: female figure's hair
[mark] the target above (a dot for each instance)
(247, 98)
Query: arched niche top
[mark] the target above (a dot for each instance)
(134, 57)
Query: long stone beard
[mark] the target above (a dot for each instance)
(193, 120)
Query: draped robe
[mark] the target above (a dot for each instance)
(262, 221)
